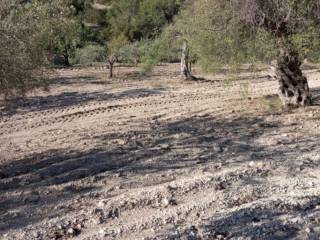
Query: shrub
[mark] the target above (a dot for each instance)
(24, 30)
(22, 57)
(89, 54)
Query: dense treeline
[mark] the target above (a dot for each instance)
(104, 27)
(36, 34)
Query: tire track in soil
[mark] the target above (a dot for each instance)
(183, 198)
(81, 112)
(218, 86)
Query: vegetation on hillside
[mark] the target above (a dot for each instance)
(211, 33)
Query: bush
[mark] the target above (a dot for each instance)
(161, 49)
(89, 54)
(22, 56)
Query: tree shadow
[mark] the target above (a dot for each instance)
(225, 79)
(74, 99)
(265, 222)
(166, 146)
(61, 81)
(254, 223)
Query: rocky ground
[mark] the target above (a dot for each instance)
(152, 157)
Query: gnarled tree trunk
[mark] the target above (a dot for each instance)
(185, 66)
(294, 88)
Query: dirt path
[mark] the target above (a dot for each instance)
(156, 158)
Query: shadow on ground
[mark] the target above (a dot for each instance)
(184, 144)
(73, 99)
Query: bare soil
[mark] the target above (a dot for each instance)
(153, 157)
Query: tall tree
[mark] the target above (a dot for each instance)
(284, 21)
(239, 31)
(185, 62)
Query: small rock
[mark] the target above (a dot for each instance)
(165, 202)
(165, 146)
(71, 232)
(308, 230)
(79, 226)
(102, 232)
(59, 227)
(116, 231)
(219, 165)
(311, 184)
(120, 141)
(218, 148)
(101, 204)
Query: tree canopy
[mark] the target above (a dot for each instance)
(23, 30)
(217, 32)
(234, 32)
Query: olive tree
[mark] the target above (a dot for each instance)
(290, 23)
(114, 51)
(21, 54)
(63, 39)
(24, 26)
(241, 31)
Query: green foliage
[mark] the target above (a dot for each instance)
(64, 38)
(141, 19)
(119, 25)
(153, 55)
(89, 54)
(132, 52)
(153, 15)
(217, 42)
(114, 47)
(223, 33)
(165, 48)
(83, 24)
(22, 55)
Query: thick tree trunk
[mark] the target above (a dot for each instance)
(294, 88)
(110, 69)
(185, 67)
(66, 60)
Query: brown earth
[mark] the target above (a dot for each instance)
(152, 157)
